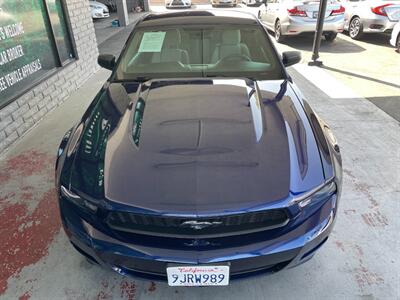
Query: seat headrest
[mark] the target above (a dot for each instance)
(231, 37)
(172, 39)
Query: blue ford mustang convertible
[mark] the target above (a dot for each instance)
(199, 161)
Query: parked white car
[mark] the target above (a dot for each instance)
(178, 3)
(252, 2)
(99, 10)
(395, 38)
(364, 16)
(294, 17)
(217, 3)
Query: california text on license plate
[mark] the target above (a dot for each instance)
(198, 275)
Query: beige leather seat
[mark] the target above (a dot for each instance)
(231, 45)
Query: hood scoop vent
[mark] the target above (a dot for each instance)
(257, 110)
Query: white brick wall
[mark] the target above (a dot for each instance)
(20, 115)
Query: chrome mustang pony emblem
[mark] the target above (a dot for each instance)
(198, 225)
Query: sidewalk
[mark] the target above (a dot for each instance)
(358, 261)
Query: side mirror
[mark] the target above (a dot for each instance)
(106, 61)
(291, 57)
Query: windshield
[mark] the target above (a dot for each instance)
(194, 51)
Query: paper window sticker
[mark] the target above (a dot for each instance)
(152, 41)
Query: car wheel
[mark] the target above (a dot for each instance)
(355, 28)
(330, 37)
(278, 32)
(398, 44)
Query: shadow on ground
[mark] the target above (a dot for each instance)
(305, 43)
(361, 76)
(379, 39)
(390, 105)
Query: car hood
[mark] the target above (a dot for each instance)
(197, 146)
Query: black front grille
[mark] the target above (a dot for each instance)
(197, 227)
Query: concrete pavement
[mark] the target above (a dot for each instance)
(359, 261)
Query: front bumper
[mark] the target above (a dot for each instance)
(100, 15)
(268, 256)
(298, 25)
(178, 4)
(253, 2)
(224, 2)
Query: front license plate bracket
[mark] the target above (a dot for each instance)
(198, 275)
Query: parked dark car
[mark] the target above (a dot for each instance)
(199, 160)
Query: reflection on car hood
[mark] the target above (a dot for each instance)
(198, 146)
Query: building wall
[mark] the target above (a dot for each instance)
(20, 115)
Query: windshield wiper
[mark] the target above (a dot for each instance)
(138, 79)
(229, 76)
(216, 75)
(141, 79)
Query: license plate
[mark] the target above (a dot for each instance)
(315, 14)
(198, 275)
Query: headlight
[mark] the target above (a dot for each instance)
(331, 138)
(77, 200)
(75, 139)
(64, 142)
(317, 195)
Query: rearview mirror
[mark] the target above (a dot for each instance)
(291, 57)
(106, 61)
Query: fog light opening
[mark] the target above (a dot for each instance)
(87, 256)
(314, 249)
(376, 26)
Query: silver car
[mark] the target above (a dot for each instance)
(293, 17)
(178, 3)
(364, 16)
